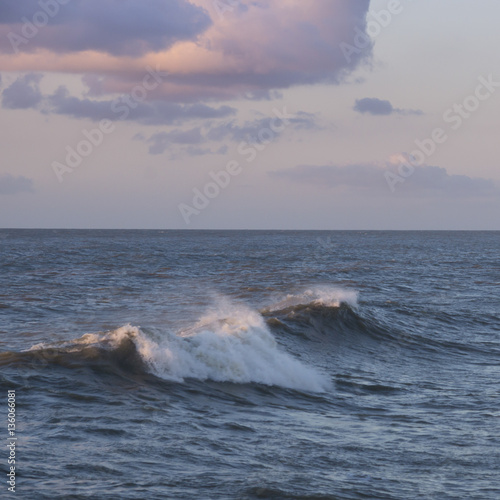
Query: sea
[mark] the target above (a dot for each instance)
(192, 365)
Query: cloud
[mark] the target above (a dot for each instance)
(189, 140)
(424, 181)
(24, 93)
(250, 131)
(373, 106)
(117, 27)
(252, 50)
(305, 121)
(379, 107)
(162, 140)
(197, 151)
(436, 180)
(356, 175)
(263, 95)
(146, 113)
(14, 185)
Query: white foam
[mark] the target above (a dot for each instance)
(230, 344)
(321, 295)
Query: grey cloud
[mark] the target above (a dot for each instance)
(250, 130)
(197, 151)
(356, 175)
(380, 107)
(14, 185)
(190, 140)
(61, 103)
(23, 93)
(131, 28)
(263, 95)
(424, 181)
(165, 113)
(94, 84)
(373, 106)
(305, 121)
(162, 140)
(437, 179)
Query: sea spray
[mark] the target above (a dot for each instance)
(231, 344)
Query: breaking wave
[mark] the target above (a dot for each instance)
(229, 344)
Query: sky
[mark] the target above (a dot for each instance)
(250, 114)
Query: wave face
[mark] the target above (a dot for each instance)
(322, 314)
(230, 344)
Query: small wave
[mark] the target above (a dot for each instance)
(318, 296)
(112, 351)
(317, 313)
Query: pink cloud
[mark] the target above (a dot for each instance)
(256, 46)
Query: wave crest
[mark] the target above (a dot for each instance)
(318, 296)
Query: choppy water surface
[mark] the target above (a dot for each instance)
(252, 365)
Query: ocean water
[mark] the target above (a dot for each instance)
(252, 365)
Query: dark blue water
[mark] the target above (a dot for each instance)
(252, 365)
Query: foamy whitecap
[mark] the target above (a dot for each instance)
(236, 347)
(321, 295)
